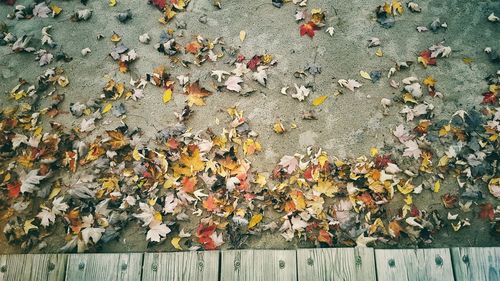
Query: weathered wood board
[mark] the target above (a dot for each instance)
(476, 264)
(336, 264)
(104, 267)
(257, 265)
(190, 266)
(414, 265)
(32, 267)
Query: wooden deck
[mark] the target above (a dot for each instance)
(475, 264)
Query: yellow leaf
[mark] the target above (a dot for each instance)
(243, 34)
(196, 100)
(437, 186)
(167, 95)
(56, 10)
(115, 37)
(373, 151)
(407, 97)
(112, 3)
(107, 107)
(467, 60)
(28, 225)
(157, 216)
(54, 192)
(325, 187)
(278, 127)
(319, 100)
(175, 242)
(379, 53)
(136, 155)
(365, 75)
(260, 179)
(429, 81)
(408, 200)
(407, 188)
(254, 221)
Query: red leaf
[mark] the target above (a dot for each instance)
(253, 63)
(487, 212)
(203, 233)
(307, 28)
(489, 98)
(381, 161)
(14, 189)
(426, 56)
(159, 3)
(324, 236)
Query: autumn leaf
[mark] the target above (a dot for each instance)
(167, 95)
(487, 211)
(196, 94)
(489, 98)
(426, 59)
(324, 236)
(429, 81)
(14, 189)
(204, 233)
(190, 162)
(175, 242)
(326, 187)
(117, 140)
(254, 220)
(189, 184)
(193, 47)
(307, 28)
(319, 100)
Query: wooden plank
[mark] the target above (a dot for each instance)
(476, 264)
(256, 265)
(104, 267)
(336, 264)
(3, 267)
(190, 266)
(414, 265)
(33, 267)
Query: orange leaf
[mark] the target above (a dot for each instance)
(307, 28)
(189, 184)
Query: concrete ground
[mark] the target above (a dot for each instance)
(347, 125)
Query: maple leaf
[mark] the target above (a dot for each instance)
(160, 4)
(325, 237)
(489, 98)
(189, 184)
(157, 231)
(253, 63)
(232, 83)
(350, 84)
(190, 163)
(426, 59)
(117, 140)
(290, 163)
(300, 92)
(94, 233)
(196, 94)
(326, 187)
(46, 216)
(204, 234)
(193, 47)
(14, 189)
(487, 212)
(307, 28)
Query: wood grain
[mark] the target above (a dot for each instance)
(32, 267)
(476, 264)
(190, 266)
(104, 267)
(256, 265)
(336, 264)
(414, 265)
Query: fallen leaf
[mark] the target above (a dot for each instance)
(319, 100)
